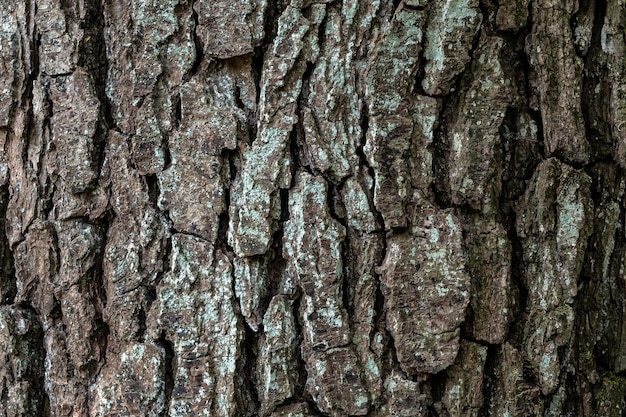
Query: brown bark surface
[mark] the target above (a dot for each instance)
(312, 208)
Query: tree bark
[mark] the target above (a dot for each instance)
(313, 208)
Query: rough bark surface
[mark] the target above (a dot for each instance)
(312, 208)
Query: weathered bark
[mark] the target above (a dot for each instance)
(313, 208)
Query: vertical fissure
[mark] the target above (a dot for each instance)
(8, 288)
(490, 378)
(249, 400)
(169, 371)
(519, 290)
(195, 67)
(302, 376)
(93, 57)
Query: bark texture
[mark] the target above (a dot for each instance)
(311, 208)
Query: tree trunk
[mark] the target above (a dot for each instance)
(313, 208)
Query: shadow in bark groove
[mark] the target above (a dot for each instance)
(250, 402)
(169, 370)
(195, 67)
(8, 289)
(489, 378)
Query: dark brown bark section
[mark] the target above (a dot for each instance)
(312, 208)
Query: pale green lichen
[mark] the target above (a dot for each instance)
(264, 167)
(449, 36)
(191, 312)
(426, 342)
(552, 275)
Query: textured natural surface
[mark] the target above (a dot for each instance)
(312, 208)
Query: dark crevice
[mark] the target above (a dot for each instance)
(67, 7)
(440, 149)
(188, 232)
(8, 288)
(152, 184)
(414, 8)
(270, 25)
(270, 28)
(169, 370)
(364, 123)
(258, 59)
(101, 336)
(234, 166)
(396, 4)
(246, 394)
(438, 387)
(296, 141)
(151, 295)
(520, 158)
(519, 292)
(101, 135)
(572, 406)
(92, 49)
(561, 155)
(468, 323)
(348, 282)
(390, 358)
(45, 191)
(277, 263)
(470, 338)
(195, 67)
(321, 30)
(142, 327)
(488, 9)
(46, 201)
(599, 17)
(314, 409)
(177, 117)
(46, 403)
(167, 155)
(276, 269)
(92, 286)
(92, 56)
(55, 313)
(301, 377)
(490, 380)
(237, 98)
(98, 283)
(333, 199)
(249, 395)
(420, 73)
(221, 241)
(596, 91)
(379, 302)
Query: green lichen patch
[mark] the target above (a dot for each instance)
(451, 29)
(277, 373)
(554, 223)
(265, 166)
(426, 291)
